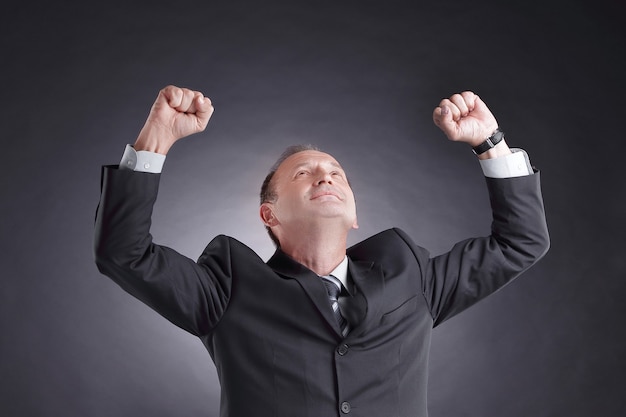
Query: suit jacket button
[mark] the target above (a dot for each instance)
(342, 350)
(345, 407)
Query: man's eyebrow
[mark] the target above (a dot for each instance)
(310, 164)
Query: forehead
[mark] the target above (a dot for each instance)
(307, 158)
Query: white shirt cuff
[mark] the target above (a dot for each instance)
(517, 164)
(142, 161)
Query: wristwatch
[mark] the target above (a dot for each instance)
(491, 141)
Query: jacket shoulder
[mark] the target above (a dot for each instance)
(390, 245)
(227, 249)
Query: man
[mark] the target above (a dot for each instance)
(283, 344)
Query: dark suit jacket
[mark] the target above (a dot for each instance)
(268, 326)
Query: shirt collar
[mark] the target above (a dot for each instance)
(341, 272)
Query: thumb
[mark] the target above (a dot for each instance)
(488, 122)
(203, 109)
(479, 105)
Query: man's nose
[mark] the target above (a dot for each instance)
(324, 177)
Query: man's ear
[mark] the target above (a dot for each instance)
(267, 215)
(355, 225)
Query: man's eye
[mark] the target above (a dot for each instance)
(300, 173)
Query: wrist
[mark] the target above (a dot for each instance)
(152, 141)
(500, 149)
(490, 142)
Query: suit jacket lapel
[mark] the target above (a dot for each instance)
(364, 307)
(310, 282)
(369, 282)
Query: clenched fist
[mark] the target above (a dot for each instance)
(465, 118)
(176, 113)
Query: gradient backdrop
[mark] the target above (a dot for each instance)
(360, 80)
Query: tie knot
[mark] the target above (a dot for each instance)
(333, 285)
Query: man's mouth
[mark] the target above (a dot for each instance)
(324, 194)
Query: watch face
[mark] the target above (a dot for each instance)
(497, 137)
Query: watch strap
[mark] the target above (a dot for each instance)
(495, 138)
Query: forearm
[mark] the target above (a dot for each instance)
(123, 217)
(519, 222)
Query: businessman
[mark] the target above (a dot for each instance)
(319, 329)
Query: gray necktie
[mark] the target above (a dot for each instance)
(333, 286)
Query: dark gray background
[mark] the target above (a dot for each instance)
(359, 79)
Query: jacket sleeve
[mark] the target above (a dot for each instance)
(193, 296)
(477, 267)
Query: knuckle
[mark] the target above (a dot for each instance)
(170, 90)
(176, 92)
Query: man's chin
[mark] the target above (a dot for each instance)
(332, 213)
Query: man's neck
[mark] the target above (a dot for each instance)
(320, 252)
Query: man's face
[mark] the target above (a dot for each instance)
(310, 186)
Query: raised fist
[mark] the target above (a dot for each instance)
(176, 113)
(465, 118)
